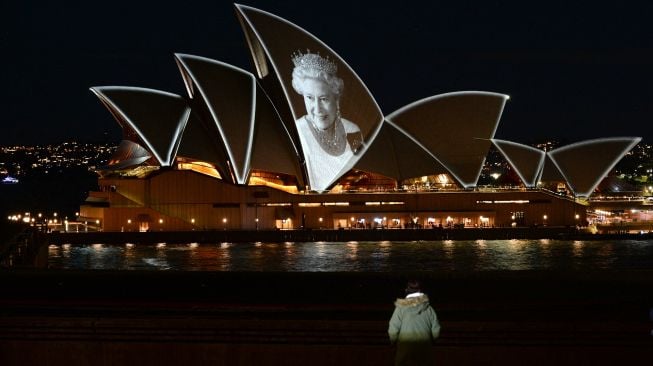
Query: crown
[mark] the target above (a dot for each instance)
(314, 61)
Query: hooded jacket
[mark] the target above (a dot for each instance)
(413, 327)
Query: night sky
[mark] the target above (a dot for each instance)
(573, 71)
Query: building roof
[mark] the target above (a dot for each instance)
(240, 121)
(526, 160)
(229, 94)
(455, 128)
(158, 118)
(584, 164)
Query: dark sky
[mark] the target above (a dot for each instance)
(573, 71)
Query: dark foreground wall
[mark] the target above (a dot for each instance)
(198, 318)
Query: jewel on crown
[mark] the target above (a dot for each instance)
(314, 61)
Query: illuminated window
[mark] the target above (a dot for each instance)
(200, 167)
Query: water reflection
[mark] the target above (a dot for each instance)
(289, 255)
(321, 249)
(352, 252)
(577, 248)
(448, 248)
(384, 256)
(130, 256)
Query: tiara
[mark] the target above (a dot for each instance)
(314, 61)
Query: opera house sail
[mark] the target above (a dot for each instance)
(301, 142)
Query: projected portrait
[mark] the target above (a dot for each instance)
(328, 139)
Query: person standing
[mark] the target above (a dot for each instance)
(413, 327)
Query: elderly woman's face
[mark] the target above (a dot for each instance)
(321, 103)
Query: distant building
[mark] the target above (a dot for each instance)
(9, 180)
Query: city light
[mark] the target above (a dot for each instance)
(69, 155)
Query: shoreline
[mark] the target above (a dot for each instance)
(337, 235)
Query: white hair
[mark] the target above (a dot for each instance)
(300, 74)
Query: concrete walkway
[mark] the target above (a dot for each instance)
(182, 318)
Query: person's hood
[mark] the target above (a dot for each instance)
(418, 302)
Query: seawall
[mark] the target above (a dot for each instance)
(235, 236)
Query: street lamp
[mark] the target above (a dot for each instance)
(545, 217)
(224, 223)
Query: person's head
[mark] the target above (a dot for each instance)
(413, 286)
(314, 77)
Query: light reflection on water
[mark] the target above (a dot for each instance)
(384, 256)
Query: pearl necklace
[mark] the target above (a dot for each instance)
(332, 140)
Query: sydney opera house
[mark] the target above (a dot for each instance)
(300, 142)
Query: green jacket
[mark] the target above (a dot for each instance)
(413, 328)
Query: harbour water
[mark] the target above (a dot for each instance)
(381, 256)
